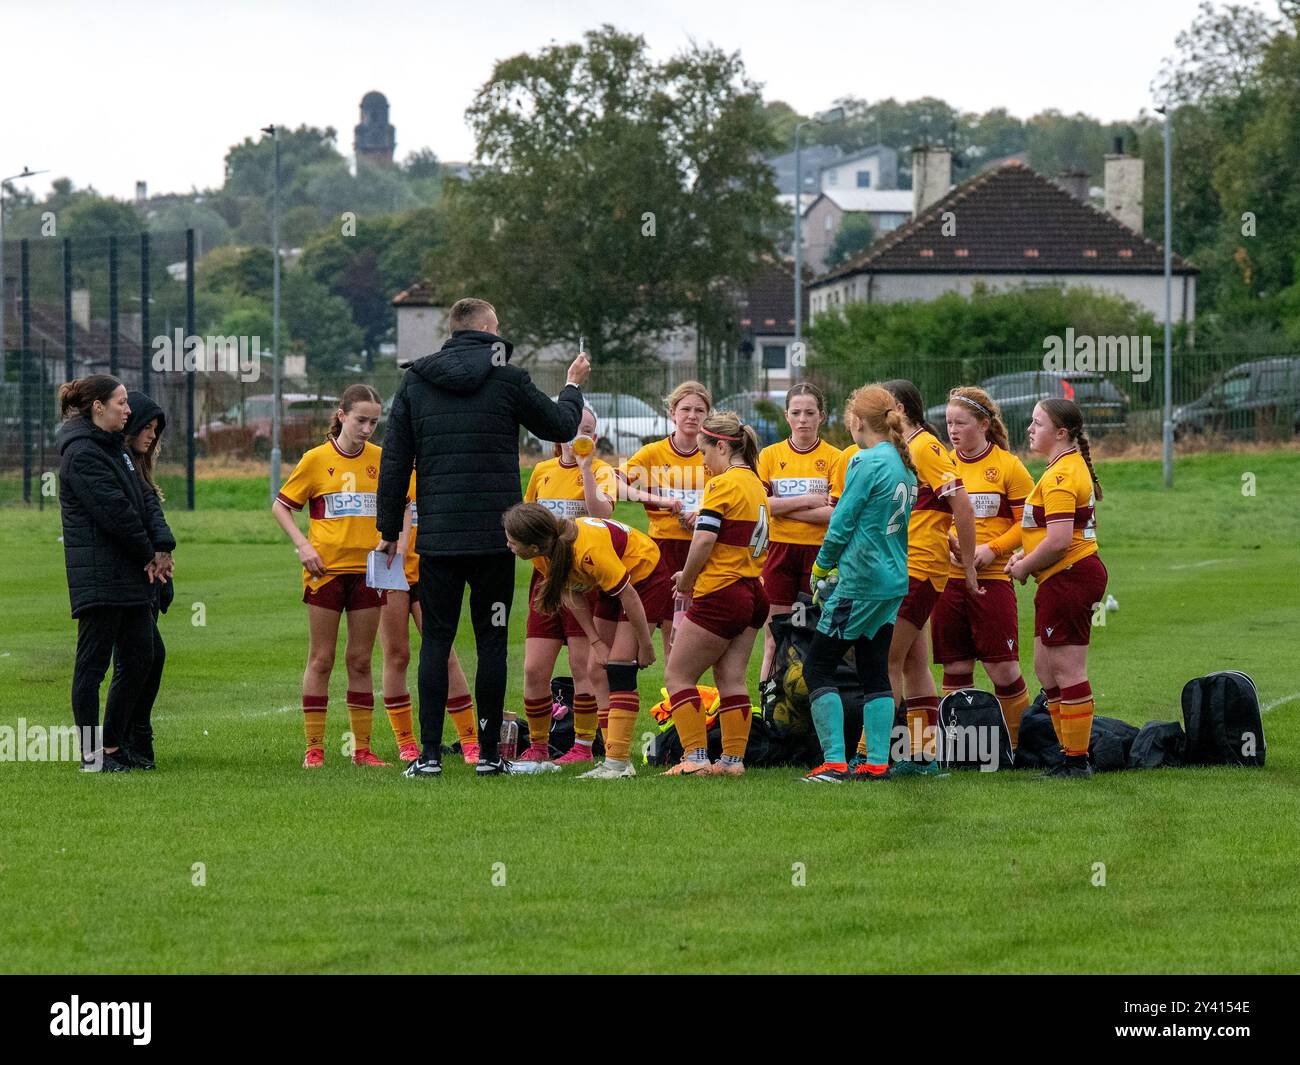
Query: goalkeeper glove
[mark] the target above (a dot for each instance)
(823, 584)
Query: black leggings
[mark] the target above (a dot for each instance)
(870, 655)
(139, 736)
(491, 580)
(123, 634)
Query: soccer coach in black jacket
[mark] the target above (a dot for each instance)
(455, 420)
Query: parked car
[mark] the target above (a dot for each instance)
(623, 422)
(1249, 397)
(1103, 405)
(762, 410)
(304, 420)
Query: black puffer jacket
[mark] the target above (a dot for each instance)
(143, 411)
(111, 525)
(456, 418)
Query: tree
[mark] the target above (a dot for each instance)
(318, 322)
(856, 232)
(619, 195)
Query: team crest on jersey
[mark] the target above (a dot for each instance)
(371, 471)
(991, 474)
(821, 465)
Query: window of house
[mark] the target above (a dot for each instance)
(830, 223)
(773, 356)
(864, 179)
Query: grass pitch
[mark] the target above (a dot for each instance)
(352, 870)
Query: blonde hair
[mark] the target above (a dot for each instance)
(984, 407)
(727, 426)
(687, 388)
(875, 406)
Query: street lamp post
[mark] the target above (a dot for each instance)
(835, 114)
(1167, 434)
(274, 131)
(27, 172)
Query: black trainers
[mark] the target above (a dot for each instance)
(107, 763)
(136, 759)
(498, 767)
(423, 767)
(1075, 766)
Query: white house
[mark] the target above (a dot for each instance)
(886, 208)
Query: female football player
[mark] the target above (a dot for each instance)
(621, 563)
(796, 473)
(1060, 550)
(722, 579)
(337, 482)
(965, 628)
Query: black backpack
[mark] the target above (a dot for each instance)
(1158, 743)
(1221, 715)
(1110, 743)
(973, 732)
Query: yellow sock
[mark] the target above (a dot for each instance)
(585, 715)
(734, 719)
(623, 709)
(1076, 718)
(1014, 700)
(399, 717)
(462, 716)
(688, 719)
(361, 713)
(1054, 708)
(313, 720)
(538, 713)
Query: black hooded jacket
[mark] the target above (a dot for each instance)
(112, 524)
(456, 419)
(143, 411)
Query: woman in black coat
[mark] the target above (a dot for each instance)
(143, 432)
(116, 546)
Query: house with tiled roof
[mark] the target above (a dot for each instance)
(1012, 227)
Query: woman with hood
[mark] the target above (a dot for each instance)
(116, 547)
(143, 432)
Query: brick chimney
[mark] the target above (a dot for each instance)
(931, 176)
(1124, 187)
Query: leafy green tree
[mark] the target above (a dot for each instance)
(856, 232)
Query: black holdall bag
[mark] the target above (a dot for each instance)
(973, 733)
(1110, 743)
(1222, 718)
(1157, 744)
(1038, 747)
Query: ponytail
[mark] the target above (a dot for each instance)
(875, 405)
(907, 394)
(1065, 414)
(79, 397)
(727, 426)
(534, 525)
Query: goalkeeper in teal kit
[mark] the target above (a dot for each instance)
(859, 581)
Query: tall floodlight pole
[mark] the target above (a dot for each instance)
(274, 131)
(1168, 425)
(835, 114)
(27, 172)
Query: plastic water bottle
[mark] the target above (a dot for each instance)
(680, 605)
(508, 747)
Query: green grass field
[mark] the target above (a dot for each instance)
(352, 870)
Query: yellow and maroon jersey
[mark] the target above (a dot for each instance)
(412, 555)
(339, 492)
(998, 485)
(927, 529)
(734, 507)
(607, 555)
(664, 470)
(1063, 493)
(840, 470)
(787, 471)
(557, 486)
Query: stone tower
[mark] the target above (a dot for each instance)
(373, 140)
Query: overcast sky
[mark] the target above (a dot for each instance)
(109, 93)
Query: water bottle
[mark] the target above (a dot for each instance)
(509, 744)
(680, 605)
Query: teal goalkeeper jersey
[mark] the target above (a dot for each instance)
(867, 535)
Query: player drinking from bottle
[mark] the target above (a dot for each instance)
(1060, 550)
(721, 577)
(668, 477)
(336, 481)
(965, 628)
(796, 473)
(569, 486)
(621, 563)
(860, 580)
